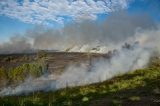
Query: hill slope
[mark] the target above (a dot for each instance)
(137, 88)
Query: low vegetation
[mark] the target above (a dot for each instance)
(140, 87)
(14, 69)
(20, 73)
(16, 75)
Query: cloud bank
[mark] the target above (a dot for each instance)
(50, 11)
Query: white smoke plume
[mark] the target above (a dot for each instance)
(122, 61)
(86, 36)
(104, 69)
(89, 36)
(82, 37)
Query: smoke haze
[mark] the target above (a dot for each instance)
(124, 60)
(139, 30)
(118, 28)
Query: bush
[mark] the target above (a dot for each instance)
(19, 74)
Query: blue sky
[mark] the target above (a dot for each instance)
(10, 27)
(17, 16)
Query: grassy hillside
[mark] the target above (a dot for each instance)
(136, 88)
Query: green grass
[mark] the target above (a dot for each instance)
(139, 87)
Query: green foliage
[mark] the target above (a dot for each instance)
(20, 73)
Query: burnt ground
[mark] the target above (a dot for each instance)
(58, 61)
(55, 61)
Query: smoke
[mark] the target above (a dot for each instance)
(117, 29)
(139, 30)
(104, 69)
(129, 57)
(16, 44)
(82, 37)
(122, 61)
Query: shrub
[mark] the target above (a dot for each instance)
(20, 73)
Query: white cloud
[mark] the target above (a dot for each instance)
(43, 11)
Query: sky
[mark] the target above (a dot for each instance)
(17, 16)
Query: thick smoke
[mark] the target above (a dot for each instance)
(122, 61)
(138, 30)
(102, 69)
(83, 37)
(117, 29)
